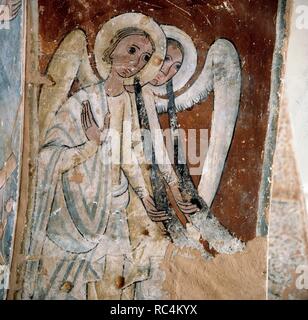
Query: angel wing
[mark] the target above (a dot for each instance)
(222, 74)
(14, 7)
(69, 62)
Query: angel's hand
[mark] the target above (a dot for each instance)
(153, 213)
(89, 124)
(185, 206)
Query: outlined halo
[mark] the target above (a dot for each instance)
(137, 20)
(190, 60)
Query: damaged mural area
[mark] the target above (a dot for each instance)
(11, 62)
(116, 206)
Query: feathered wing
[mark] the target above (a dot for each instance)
(69, 62)
(14, 7)
(227, 92)
(221, 73)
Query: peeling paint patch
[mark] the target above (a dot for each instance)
(238, 276)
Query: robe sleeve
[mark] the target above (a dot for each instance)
(65, 146)
(72, 157)
(129, 162)
(134, 175)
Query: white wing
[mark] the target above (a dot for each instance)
(227, 91)
(222, 74)
(14, 7)
(69, 62)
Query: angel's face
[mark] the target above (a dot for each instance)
(172, 64)
(130, 55)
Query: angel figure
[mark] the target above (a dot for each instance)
(220, 73)
(79, 232)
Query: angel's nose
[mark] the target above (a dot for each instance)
(165, 69)
(134, 63)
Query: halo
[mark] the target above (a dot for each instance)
(190, 59)
(126, 20)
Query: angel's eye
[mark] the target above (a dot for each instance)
(147, 57)
(167, 59)
(132, 50)
(178, 66)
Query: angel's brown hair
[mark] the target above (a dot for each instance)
(120, 35)
(175, 43)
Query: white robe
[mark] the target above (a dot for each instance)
(81, 195)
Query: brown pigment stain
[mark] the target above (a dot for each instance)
(157, 61)
(77, 178)
(120, 282)
(67, 287)
(145, 232)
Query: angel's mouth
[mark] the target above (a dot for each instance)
(126, 72)
(160, 78)
(154, 82)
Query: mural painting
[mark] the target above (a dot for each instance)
(148, 132)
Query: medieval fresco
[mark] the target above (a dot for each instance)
(11, 38)
(148, 126)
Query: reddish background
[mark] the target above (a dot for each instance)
(250, 25)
